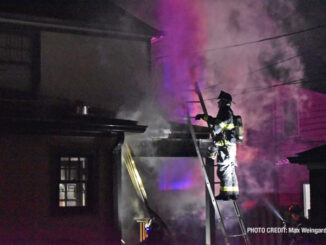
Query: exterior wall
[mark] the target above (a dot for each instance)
(107, 72)
(27, 199)
(311, 118)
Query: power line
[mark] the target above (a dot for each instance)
(271, 38)
(304, 53)
(256, 41)
(255, 89)
(262, 68)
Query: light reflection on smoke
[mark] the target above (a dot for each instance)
(272, 208)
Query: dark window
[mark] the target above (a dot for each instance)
(74, 181)
(19, 61)
(290, 118)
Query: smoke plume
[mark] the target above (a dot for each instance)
(213, 43)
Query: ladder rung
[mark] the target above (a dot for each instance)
(217, 182)
(223, 200)
(238, 235)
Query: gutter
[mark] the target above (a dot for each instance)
(66, 27)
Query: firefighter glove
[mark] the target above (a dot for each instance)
(199, 116)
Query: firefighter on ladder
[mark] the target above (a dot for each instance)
(224, 147)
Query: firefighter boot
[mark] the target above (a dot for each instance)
(223, 196)
(234, 196)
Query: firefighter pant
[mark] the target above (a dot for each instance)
(226, 162)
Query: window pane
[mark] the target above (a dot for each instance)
(83, 168)
(71, 204)
(71, 193)
(62, 195)
(73, 173)
(63, 174)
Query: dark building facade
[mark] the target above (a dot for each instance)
(60, 179)
(314, 160)
(63, 65)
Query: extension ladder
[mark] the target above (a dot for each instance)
(209, 186)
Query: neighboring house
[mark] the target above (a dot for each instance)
(300, 125)
(314, 159)
(66, 69)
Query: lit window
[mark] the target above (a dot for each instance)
(73, 182)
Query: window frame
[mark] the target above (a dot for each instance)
(68, 165)
(91, 190)
(31, 89)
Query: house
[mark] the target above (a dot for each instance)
(63, 65)
(300, 117)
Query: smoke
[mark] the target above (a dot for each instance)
(197, 48)
(176, 192)
(197, 31)
(194, 49)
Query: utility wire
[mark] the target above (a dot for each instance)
(255, 89)
(270, 38)
(305, 53)
(256, 41)
(302, 54)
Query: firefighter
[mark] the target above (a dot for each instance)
(297, 220)
(223, 147)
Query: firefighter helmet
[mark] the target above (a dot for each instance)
(225, 96)
(294, 209)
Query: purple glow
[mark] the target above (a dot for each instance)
(283, 162)
(156, 39)
(183, 21)
(178, 174)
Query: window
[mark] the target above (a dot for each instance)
(18, 61)
(74, 181)
(290, 118)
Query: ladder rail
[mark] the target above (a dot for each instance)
(203, 106)
(241, 223)
(208, 185)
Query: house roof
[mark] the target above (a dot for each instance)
(311, 157)
(99, 14)
(35, 117)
